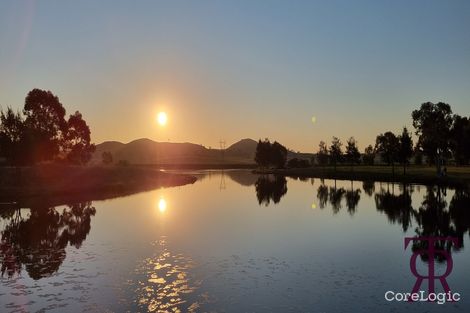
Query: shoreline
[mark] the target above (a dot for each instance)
(457, 176)
(59, 184)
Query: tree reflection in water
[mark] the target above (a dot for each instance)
(270, 188)
(397, 207)
(352, 198)
(433, 217)
(335, 196)
(37, 241)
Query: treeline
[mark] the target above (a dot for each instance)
(41, 133)
(442, 137)
(390, 147)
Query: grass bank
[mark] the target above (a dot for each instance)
(456, 176)
(64, 183)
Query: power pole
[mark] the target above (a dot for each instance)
(222, 149)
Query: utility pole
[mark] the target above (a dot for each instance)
(222, 149)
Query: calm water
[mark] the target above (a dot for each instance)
(232, 242)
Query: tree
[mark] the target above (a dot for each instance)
(43, 134)
(369, 155)
(262, 153)
(335, 151)
(268, 154)
(322, 155)
(298, 163)
(11, 134)
(44, 125)
(278, 155)
(418, 155)
(433, 123)
(352, 152)
(387, 145)
(107, 158)
(405, 150)
(77, 142)
(460, 140)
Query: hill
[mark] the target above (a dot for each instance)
(148, 152)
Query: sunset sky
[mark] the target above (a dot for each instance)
(237, 69)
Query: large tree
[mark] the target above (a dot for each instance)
(352, 152)
(278, 155)
(270, 154)
(44, 125)
(433, 124)
(387, 145)
(263, 149)
(11, 132)
(405, 150)
(43, 134)
(336, 152)
(460, 140)
(77, 142)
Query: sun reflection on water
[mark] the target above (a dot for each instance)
(167, 285)
(162, 205)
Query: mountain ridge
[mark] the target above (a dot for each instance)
(146, 151)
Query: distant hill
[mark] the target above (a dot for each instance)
(147, 151)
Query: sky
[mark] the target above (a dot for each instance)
(227, 70)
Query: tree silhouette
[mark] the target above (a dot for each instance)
(43, 134)
(45, 124)
(322, 155)
(405, 148)
(387, 145)
(11, 131)
(268, 154)
(263, 149)
(335, 151)
(433, 124)
(352, 152)
(298, 163)
(460, 139)
(369, 155)
(278, 155)
(77, 140)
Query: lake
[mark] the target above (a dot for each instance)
(235, 242)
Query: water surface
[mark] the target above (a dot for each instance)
(232, 242)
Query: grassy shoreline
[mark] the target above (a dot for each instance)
(60, 184)
(456, 176)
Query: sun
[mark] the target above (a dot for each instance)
(162, 118)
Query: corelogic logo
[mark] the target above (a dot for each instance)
(430, 249)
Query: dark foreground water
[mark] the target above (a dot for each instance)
(235, 242)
